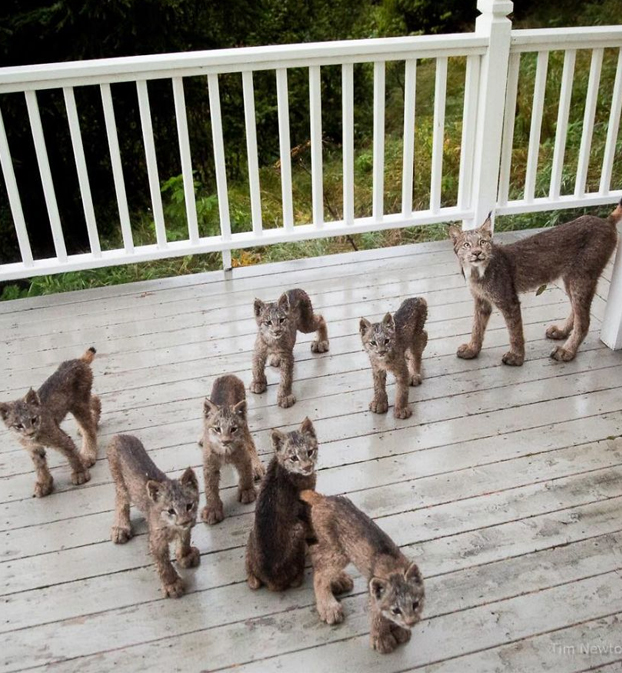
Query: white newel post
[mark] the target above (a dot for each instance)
(494, 24)
(611, 333)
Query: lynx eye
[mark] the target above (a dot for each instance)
(189, 506)
(294, 459)
(373, 342)
(281, 320)
(234, 429)
(34, 420)
(386, 341)
(396, 611)
(415, 605)
(217, 429)
(311, 453)
(269, 322)
(466, 244)
(171, 511)
(19, 426)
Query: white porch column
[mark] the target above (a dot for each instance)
(611, 333)
(494, 24)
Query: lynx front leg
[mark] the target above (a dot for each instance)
(246, 487)
(380, 403)
(172, 584)
(88, 425)
(45, 482)
(402, 410)
(380, 634)
(122, 528)
(63, 443)
(260, 355)
(320, 344)
(513, 320)
(284, 397)
(483, 309)
(258, 469)
(187, 555)
(213, 512)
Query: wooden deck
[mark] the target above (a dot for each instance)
(505, 484)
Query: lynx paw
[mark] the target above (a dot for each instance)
(200, 442)
(561, 354)
(81, 477)
(191, 559)
(332, 613)
(384, 643)
(400, 634)
(43, 488)
(212, 515)
(319, 346)
(258, 387)
(379, 406)
(513, 359)
(253, 582)
(175, 589)
(467, 352)
(554, 332)
(247, 495)
(342, 584)
(89, 459)
(274, 361)
(286, 401)
(120, 535)
(297, 581)
(403, 412)
(259, 471)
(415, 380)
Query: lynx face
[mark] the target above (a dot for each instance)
(473, 248)
(400, 598)
(225, 425)
(297, 451)
(23, 416)
(379, 338)
(273, 318)
(176, 500)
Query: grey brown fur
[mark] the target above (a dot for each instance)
(346, 535)
(227, 441)
(36, 420)
(275, 554)
(278, 325)
(396, 345)
(169, 505)
(576, 252)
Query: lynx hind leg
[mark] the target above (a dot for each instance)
(328, 564)
(581, 294)
(86, 421)
(96, 409)
(274, 360)
(414, 362)
(312, 322)
(320, 344)
(556, 332)
(62, 442)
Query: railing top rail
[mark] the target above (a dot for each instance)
(131, 68)
(550, 39)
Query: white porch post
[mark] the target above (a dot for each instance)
(611, 333)
(494, 24)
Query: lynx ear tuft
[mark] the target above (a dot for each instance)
(4, 410)
(277, 438)
(209, 407)
(154, 490)
(377, 587)
(258, 307)
(32, 398)
(387, 321)
(454, 233)
(240, 409)
(283, 302)
(307, 427)
(413, 574)
(364, 326)
(189, 479)
(486, 228)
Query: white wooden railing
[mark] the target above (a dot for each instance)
(492, 56)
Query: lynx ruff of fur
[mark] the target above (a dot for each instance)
(576, 252)
(396, 345)
(169, 506)
(36, 419)
(227, 441)
(346, 535)
(278, 323)
(275, 553)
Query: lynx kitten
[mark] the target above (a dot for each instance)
(345, 535)
(576, 252)
(227, 440)
(37, 417)
(396, 345)
(169, 505)
(275, 554)
(278, 324)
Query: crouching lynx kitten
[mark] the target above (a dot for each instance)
(576, 252)
(346, 535)
(227, 441)
(275, 553)
(37, 417)
(396, 345)
(278, 324)
(169, 505)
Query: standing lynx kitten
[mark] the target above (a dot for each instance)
(278, 324)
(346, 535)
(37, 417)
(576, 252)
(227, 441)
(275, 553)
(169, 505)
(396, 345)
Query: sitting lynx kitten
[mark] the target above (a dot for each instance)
(576, 252)
(275, 554)
(345, 535)
(37, 417)
(169, 505)
(396, 345)
(278, 324)
(227, 440)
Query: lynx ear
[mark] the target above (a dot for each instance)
(189, 479)
(283, 302)
(258, 307)
(209, 407)
(277, 438)
(4, 410)
(364, 326)
(32, 398)
(240, 409)
(307, 427)
(387, 321)
(486, 228)
(154, 490)
(377, 587)
(413, 574)
(454, 233)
